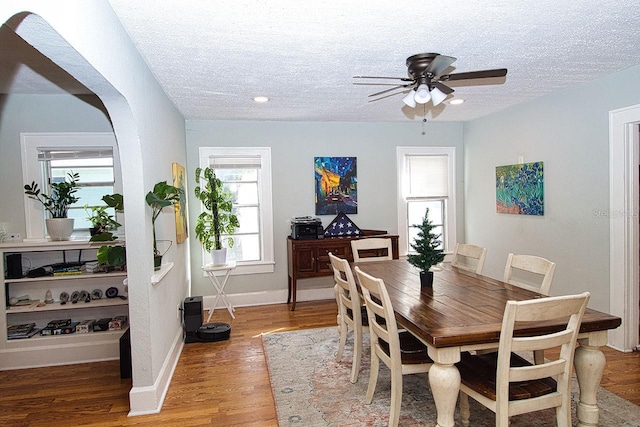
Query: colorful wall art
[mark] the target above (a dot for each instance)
(180, 208)
(520, 189)
(336, 185)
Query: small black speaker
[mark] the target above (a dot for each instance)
(192, 312)
(14, 266)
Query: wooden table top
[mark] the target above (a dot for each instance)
(461, 309)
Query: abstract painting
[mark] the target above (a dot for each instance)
(520, 189)
(180, 208)
(336, 184)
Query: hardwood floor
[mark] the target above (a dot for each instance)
(215, 384)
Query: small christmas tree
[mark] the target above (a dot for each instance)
(426, 245)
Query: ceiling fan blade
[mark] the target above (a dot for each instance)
(439, 64)
(387, 96)
(443, 88)
(374, 84)
(498, 72)
(404, 79)
(390, 89)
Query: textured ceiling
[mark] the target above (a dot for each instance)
(211, 58)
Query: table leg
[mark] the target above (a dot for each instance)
(444, 380)
(589, 362)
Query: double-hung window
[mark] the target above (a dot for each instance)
(426, 177)
(49, 157)
(246, 173)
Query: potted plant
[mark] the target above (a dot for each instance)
(57, 203)
(162, 196)
(217, 218)
(427, 253)
(103, 222)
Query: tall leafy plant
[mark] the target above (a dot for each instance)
(61, 197)
(426, 246)
(162, 196)
(217, 218)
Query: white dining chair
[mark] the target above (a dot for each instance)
(509, 385)
(349, 311)
(371, 249)
(402, 352)
(469, 257)
(541, 268)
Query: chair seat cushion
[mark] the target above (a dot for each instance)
(412, 350)
(478, 372)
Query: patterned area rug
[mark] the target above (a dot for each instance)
(312, 388)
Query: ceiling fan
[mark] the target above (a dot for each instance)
(426, 79)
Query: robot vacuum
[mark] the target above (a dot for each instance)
(214, 332)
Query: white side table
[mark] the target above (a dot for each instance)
(219, 282)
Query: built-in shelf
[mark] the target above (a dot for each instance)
(159, 274)
(82, 276)
(103, 302)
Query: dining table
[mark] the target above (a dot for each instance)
(463, 312)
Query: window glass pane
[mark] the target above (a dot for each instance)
(417, 209)
(92, 196)
(249, 219)
(87, 175)
(71, 163)
(244, 193)
(245, 174)
(246, 247)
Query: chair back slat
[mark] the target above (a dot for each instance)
(541, 268)
(371, 249)
(466, 254)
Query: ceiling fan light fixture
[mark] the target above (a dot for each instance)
(437, 96)
(409, 99)
(422, 95)
(456, 101)
(261, 99)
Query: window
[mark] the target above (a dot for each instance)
(426, 178)
(246, 172)
(49, 157)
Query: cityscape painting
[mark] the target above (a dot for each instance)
(336, 185)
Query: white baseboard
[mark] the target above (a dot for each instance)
(149, 399)
(268, 297)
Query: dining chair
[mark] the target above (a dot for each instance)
(540, 267)
(508, 384)
(402, 352)
(372, 248)
(466, 255)
(349, 311)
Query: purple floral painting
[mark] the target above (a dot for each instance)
(520, 189)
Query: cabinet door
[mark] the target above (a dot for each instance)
(305, 259)
(341, 249)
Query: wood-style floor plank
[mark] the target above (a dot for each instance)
(215, 384)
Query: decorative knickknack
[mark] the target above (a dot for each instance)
(427, 253)
(62, 196)
(217, 217)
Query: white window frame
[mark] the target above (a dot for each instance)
(31, 143)
(266, 265)
(403, 189)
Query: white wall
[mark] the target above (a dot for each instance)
(87, 40)
(37, 113)
(294, 146)
(569, 132)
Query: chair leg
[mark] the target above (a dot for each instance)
(563, 413)
(357, 355)
(373, 376)
(465, 413)
(396, 398)
(343, 330)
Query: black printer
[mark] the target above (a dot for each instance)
(306, 227)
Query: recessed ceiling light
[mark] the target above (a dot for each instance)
(456, 101)
(261, 99)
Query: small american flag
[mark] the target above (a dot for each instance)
(342, 226)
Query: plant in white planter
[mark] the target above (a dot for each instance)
(57, 203)
(217, 218)
(427, 253)
(162, 196)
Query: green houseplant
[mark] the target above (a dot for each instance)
(427, 253)
(57, 203)
(162, 196)
(217, 217)
(103, 222)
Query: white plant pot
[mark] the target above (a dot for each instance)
(219, 256)
(59, 228)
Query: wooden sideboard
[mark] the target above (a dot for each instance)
(310, 257)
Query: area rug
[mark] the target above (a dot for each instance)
(312, 388)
